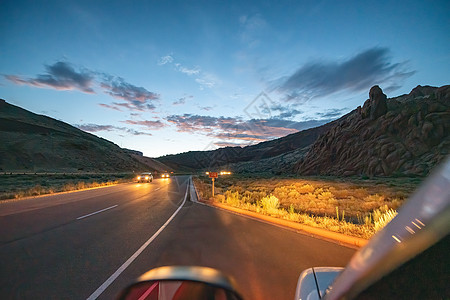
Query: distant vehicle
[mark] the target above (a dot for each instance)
(145, 177)
(165, 175)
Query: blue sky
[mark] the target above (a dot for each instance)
(166, 77)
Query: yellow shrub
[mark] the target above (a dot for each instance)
(270, 203)
(305, 189)
(384, 219)
(324, 196)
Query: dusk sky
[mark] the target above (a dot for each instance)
(166, 77)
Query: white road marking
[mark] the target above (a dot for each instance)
(96, 212)
(125, 265)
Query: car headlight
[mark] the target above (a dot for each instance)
(139, 177)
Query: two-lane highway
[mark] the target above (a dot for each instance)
(48, 251)
(67, 246)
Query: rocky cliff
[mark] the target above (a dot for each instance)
(406, 135)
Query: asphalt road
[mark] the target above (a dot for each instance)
(66, 246)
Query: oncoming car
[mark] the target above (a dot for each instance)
(165, 175)
(145, 177)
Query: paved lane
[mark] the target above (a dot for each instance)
(265, 260)
(47, 253)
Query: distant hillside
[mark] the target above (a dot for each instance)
(403, 136)
(243, 159)
(37, 143)
(406, 135)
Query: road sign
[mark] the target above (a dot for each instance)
(213, 175)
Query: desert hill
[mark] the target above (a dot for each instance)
(406, 135)
(35, 143)
(402, 136)
(230, 157)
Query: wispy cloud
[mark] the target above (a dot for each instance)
(332, 113)
(137, 98)
(59, 76)
(151, 125)
(110, 106)
(182, 100)
(97, 128)
(206, 108)
(188, 71)
(204, 79)
(357, 73)
(165, 60)
(236, 130)
(64, 76)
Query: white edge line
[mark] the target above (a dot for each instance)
(96, 212)
(125, 265)
(196, 193)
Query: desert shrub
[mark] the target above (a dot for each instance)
(325, 196)
(220, 198)
(332, 202)
(396, 203)
(281, 193)
(359, 193)
(270, 203)
(68, 187)
(305, 189)
(308, 197)
(318, 191)
(384, 219)
(373, 201)
(232, 198)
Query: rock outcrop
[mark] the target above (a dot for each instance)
(406, 135)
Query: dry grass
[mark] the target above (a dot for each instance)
(353, 208)
(16, 186)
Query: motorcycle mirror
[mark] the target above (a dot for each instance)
(180, 283)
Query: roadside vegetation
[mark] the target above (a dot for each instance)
(356, 207)
(16, 186)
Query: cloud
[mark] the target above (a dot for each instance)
(206, 108)
(207, 80)
(135, 132)
(204, 79)
(60, 76)
(152, 125)
(193, 71)
(237, 130)
(165, 60)
(358, 73)
(110, 106)
(97, 127)
(180, 101)
(284, 111)
(332, 113)
(63, 76)
(137, 98)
